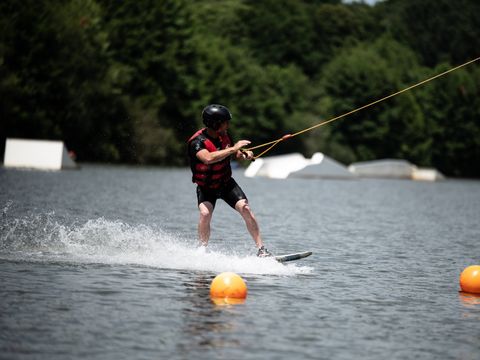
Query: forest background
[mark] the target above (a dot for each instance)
(126, 81)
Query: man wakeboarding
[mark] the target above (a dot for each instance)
(210, 150)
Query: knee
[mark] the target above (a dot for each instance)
(205, 214)
(244, 209)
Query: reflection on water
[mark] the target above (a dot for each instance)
(205, 324)
(227, 301)
(469, 300)
(470, 306)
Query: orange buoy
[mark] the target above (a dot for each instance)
(228, 285)
(470, 279)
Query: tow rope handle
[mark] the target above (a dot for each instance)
(244, 152)
(284, 137)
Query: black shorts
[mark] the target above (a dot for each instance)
(230, 193)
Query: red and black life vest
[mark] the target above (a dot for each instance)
(211, 176)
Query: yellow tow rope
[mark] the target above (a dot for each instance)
(288, 136)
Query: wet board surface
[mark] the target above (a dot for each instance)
(293, 256)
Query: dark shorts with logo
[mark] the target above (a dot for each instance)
(230, 193)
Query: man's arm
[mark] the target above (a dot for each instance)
(208, 157)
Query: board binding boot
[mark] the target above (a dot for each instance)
(263, 252)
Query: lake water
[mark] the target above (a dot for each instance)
(102, 263)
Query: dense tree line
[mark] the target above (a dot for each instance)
(125, 81)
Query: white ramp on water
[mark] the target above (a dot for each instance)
(394, 169)
(296, 165)
(37, 154)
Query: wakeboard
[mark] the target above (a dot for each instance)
(292, 257)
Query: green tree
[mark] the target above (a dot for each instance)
(438, 30)
(279, 32)
(148, 55)
(127, 81)
(453, 107)
(394, 128)
(337, 26)
(264, 100)
(54, 78)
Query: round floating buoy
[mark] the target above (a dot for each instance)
(470, 279)
(228, 285)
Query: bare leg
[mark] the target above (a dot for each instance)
(206, 212)
(244, 209)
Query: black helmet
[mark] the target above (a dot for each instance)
(214, 115)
